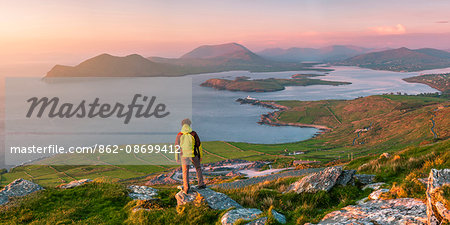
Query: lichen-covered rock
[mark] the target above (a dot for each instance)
(243, 213)
(374, 186)
(279, 217)
(323, 180)
(17, 188)
(386, 212)
(142, 192)
(75, 183)
(436, 211)
(364, 178)
(345, 177)
(215, 200)
(377, 194)
(259, 221)
(165, 178)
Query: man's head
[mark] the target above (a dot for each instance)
(186, 121)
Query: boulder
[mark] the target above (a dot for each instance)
(364, 178)
(374, 186)
(280, 218)
(323, 180)
(437, 212)
(215, 200)
(386, 212)
(75, 183)
(259, 221)
(162, 179)
(377, 194)
(17, 188)
(345, 177)
(142, 192)
(243, 213)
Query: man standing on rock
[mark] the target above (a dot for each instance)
(191, 151)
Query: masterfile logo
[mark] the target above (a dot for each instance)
(116, 115)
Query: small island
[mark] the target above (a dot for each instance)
(267, 85)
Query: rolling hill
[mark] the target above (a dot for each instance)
(401, 59)
(106, 65)
(326, 54)
(204, 59)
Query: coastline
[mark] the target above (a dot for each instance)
(271, 118)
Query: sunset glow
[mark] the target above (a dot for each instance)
(77, 29)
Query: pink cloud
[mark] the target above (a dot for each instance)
(387, 30)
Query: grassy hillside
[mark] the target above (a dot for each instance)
(395, 122)
(105, 202)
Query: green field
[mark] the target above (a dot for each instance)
(396, 123)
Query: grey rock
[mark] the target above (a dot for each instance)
(377, 194)
(374, 186)
(386, 212)
(359, 202)
(142, 192)
(263, 220)
(17, 188)
(279, 217)
(215, 200)
(345, 177)
(243, 213)
(436, 211)
(75, 183)
(259, 221)
(323, 180)
(364, 178)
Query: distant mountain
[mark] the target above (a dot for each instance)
(225, 57)
(229, 51)
(326, 54)
(106, 65)
(401, 59)
(204, 59)
(434, 52)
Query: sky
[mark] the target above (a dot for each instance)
(66, 31)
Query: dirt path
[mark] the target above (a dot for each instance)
(434, 125)
(256, 180)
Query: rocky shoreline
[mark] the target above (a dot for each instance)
(271, 118)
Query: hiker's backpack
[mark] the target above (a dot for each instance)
(187, 144)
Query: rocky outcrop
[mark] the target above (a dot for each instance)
(165, 178)
(377, 194)
(215, 200)
(144, 193)
(278, 217)
(374, 186)
(386, 212)
(364, 178)
(17, 188)
(323, 180)
(437, 212)
(235, 214)
(250, 214)
(75, 183)
(345, 177)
